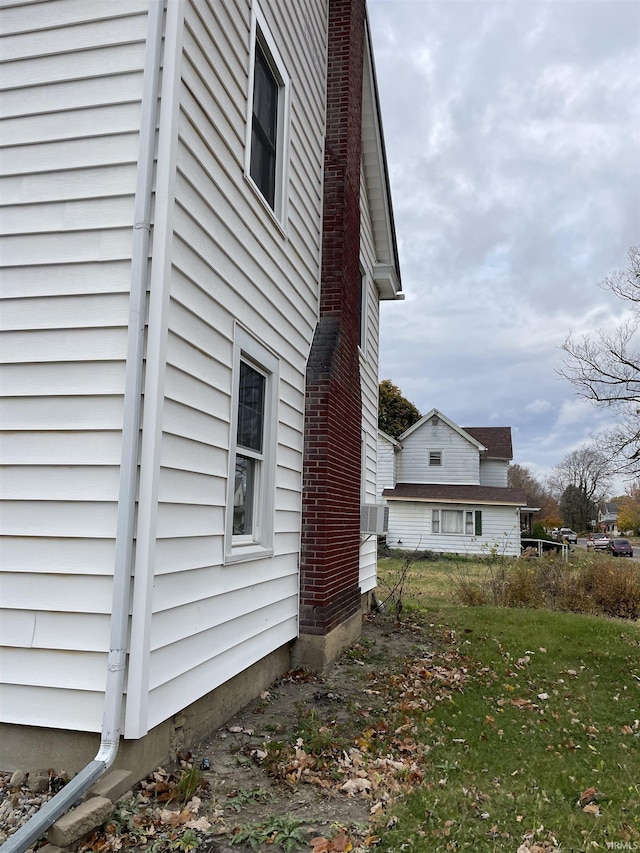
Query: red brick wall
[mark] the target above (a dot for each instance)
(330, 592)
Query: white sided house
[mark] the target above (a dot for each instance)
(172, 304)
(449, 493)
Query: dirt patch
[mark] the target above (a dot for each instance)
(312, 757)
(335, 708)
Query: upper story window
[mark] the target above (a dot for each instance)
(267, 126)
(435, 458)
(264, 126)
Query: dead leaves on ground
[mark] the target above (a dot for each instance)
(386, 759)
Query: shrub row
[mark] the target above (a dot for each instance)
(606, 586)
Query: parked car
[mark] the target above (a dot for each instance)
(599, 542)
(569, 535)
(620, 548)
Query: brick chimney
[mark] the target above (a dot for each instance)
(329, 588)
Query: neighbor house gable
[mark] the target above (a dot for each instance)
(434, 413)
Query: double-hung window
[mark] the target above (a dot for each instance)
(249, 449)
(252, 452)
(464, 521)
(435, 458)
(267, 125)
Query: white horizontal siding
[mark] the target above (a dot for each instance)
(493, 472)
(62, 379)
(77, 556)
(61, 448)
(200, 680)
(46, 630)
(66, 312)
(87, 412)
(170, 661)
(172, 556)
(57, 216)
(43, 187)
(369, 388)
(410, 529)
(460, 458)
(182, 622)
(70, 112)
(386, 474)
(231, 262)
(70, 95)
(59, 668)
(60, 708)
(52, 592)
(59, 483)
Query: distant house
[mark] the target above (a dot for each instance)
(608, 518)
(197, 235)
(448, 489)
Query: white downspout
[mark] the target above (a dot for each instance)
(118, 644)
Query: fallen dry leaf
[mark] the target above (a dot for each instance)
(592, 808)
(588, 796)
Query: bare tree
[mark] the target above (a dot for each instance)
(581, 482)
(538, 493)
(605, 369)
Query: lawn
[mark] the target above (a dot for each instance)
(445, 728)
(540, 745)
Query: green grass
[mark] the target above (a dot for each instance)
(426, 582)
(549, 711)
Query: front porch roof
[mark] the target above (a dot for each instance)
(456, 493)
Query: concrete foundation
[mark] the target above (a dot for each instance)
(318, 651)
(30, 748)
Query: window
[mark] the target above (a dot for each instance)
(252, 453)
(264, 124)
(435, 458)
(268, 120)
(456, 520)
(249, 448)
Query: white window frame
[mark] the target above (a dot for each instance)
(259, 542)
(467, 519)
(260, 34)
(435, 454)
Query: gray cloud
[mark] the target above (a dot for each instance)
(512, 131)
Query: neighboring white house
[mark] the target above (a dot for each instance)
(607, 520)
(388, 450)
(164, 265)
(449, 491)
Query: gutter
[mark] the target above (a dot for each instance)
(122, 573)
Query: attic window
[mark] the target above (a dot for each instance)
(435, 458)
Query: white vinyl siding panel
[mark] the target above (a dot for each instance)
(410, 528)
(230, 262)
(369, 385)
(460, 458)
(70, 106)
(386, 472)
(58, 708)
(493, 472)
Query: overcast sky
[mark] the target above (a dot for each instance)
(512, 131)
